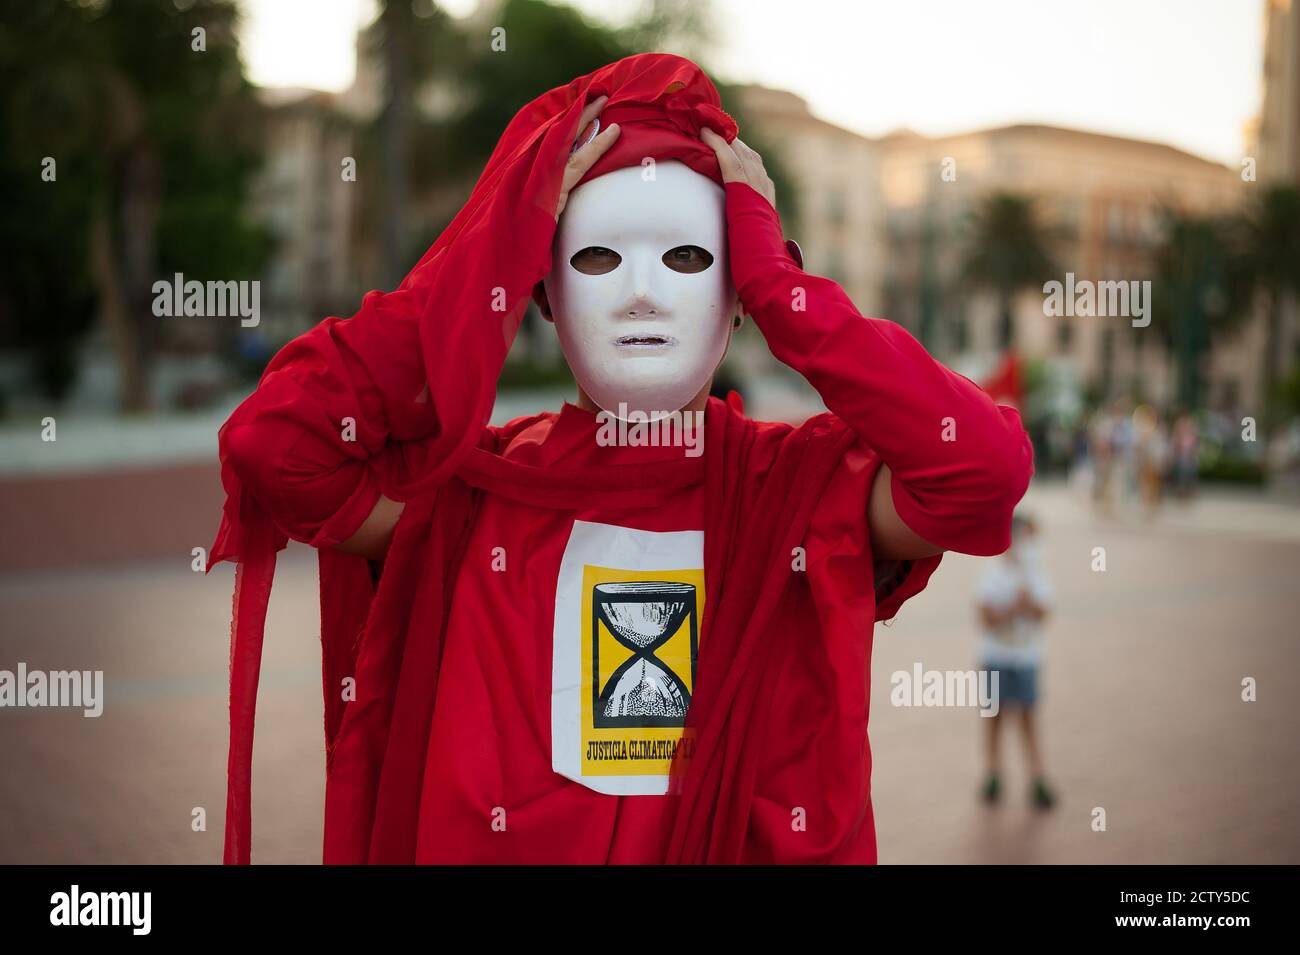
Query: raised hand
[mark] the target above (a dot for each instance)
(583, 158)
(740, 163)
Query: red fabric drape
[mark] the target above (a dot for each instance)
(760, 493)
(752, 529)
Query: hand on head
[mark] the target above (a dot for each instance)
(739, 163)
(585, 156)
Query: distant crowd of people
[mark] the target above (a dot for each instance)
(1135, 456)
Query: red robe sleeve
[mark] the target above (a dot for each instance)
(378, 403)
(389, 401)
(959, 462)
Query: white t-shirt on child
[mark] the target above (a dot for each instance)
(1020, 642)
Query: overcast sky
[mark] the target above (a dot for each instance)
(1185, 72)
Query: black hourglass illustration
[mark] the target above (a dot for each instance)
(642, 616)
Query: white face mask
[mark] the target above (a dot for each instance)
(637, 331)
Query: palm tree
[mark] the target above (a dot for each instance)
(1270, 244)
(1008, 250)
(1199, 293)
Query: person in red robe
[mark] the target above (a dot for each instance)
(585, 651)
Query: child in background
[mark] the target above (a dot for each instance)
(1014, 596)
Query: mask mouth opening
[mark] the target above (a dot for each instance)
(645, 341)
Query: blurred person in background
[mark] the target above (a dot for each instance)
(1123, 449)
(1101, 455)
(1014, 597)
(1150, 453)
(1185, 453)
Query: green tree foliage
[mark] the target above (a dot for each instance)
(1269, 236)
(463, 81)
(1211, 270)
(1199, 294)
(1008, 250)
(155, 143)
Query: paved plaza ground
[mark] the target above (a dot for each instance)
(1141, 704)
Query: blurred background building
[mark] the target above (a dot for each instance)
(302, 198)
(1275, 135)
(1094, 207)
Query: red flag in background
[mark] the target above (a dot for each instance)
(1006, 386)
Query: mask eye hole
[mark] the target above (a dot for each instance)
(595, 260)
(687, 259)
